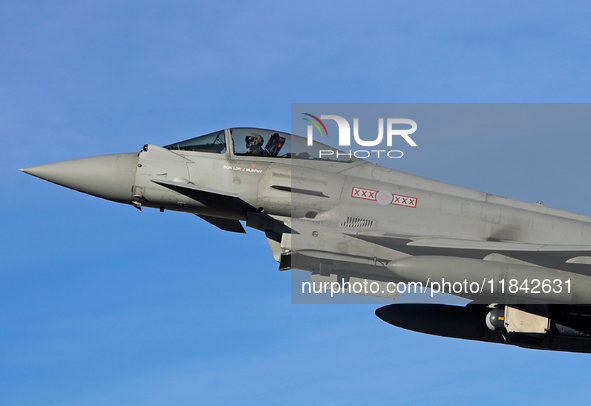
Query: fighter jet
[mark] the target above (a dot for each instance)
(361, 228)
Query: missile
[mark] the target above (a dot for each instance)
(483, 280)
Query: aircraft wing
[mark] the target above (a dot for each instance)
(453, 243)
(572, 254)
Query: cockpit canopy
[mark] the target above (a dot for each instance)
(257, 142)
(214, 142)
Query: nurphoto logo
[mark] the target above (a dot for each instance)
(392, 130)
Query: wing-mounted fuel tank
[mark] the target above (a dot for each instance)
(522, 326)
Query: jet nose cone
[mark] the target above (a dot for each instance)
(108, 176)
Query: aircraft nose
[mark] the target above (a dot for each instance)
(108, 176)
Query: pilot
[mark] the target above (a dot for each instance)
(254, 144)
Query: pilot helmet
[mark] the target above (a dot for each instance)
(254, 140)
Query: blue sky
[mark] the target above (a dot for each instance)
(103, 304)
